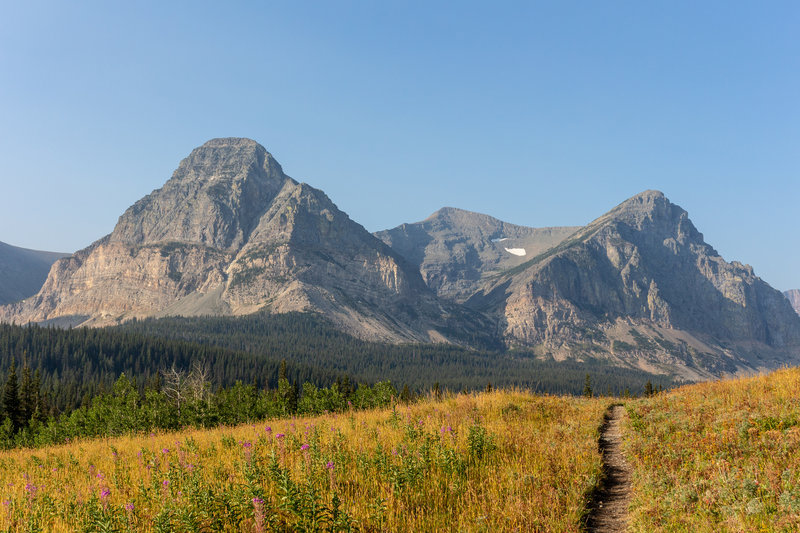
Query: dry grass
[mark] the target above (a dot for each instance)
(500, 461)
(722, 456)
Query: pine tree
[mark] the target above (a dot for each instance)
(11, 398)
(27, 396)
(587, 386)
(648, 389)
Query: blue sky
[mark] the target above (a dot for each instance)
(536, 113)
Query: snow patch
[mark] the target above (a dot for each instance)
(500, 240)
(516, 251)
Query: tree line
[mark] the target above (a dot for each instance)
(178, 398)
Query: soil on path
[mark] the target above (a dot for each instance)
(609, 505)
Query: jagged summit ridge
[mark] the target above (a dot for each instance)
(229, 234)
(214, 198)
(642, 265)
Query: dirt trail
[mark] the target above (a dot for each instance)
(609, 505)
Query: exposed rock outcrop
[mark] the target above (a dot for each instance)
(230, 233)
(456, 250)
(793, 295)
(640, 281)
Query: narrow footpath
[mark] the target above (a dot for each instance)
(609, 505)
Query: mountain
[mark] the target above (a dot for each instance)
(640, 285)
(794, 298)
(457, 250)
(23, 271)
(230, 234)
(637, 287)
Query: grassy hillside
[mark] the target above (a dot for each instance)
(721, 456)
(488, 462)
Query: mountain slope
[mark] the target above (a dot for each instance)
(794, 298)
(639, 284)
(231, 234)
(23, 271)
(455, 250)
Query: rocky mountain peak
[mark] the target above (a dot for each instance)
(214, 198)
(650, 216)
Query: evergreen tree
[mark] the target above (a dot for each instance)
(11, 398)
(587, 386)
(648, 388)
(27, 395)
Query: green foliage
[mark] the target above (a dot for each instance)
(125, 410)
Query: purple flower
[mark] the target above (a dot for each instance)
(304, 447)
(247, 444)
(165, 483)
(268, 429)
(257, 501)
(329, 466)
(165, 450)
(129, 506)
(105, 493)
(279, 436)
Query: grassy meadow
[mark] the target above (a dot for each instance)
(717, 456)
(506, 461)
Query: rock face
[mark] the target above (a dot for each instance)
(638, 286)
(640, 282)
(23, 271)
(231, 234)
(457, 250)
(793, 296)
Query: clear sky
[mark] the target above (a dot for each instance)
(538, 113)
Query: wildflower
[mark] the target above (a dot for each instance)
(304, 447)
(279, 436)
(329, 465)
(165, 483)
(268, 429)
(104, 494)
(6, 503)
(247, 444)
(129, 506)
(258, 514)
(165, 451)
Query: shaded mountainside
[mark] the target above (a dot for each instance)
(231, 234)
(640, 285)
(23, 271)
(793, 296)
(455, 250)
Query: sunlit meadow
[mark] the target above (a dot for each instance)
(721, 456)
(494, 461)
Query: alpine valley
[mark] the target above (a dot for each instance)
(230, 235)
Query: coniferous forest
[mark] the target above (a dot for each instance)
(169, 373)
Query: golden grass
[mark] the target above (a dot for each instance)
(720, 456)
(500, 461)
